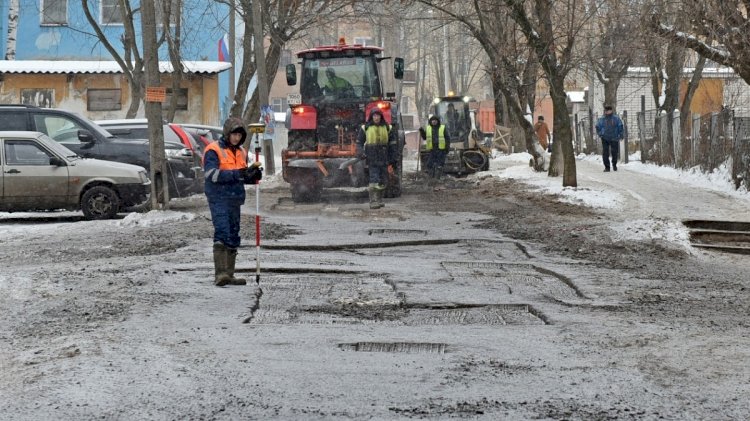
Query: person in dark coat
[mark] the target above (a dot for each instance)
(610, 130)
(438, 143)
(226, 173)
(377, 144)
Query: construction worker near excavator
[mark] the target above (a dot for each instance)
(377, 144)
(437, 146)
(226, 173)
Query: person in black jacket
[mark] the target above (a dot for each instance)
(377, 144)
(437, 145)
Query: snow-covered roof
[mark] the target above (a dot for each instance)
(70, 66)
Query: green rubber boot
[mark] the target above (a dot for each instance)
(221, 277)
(231, 260)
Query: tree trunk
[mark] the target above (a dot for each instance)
(173, 43)
(153, 109)
(563, 132)
(10, 43)
(611, 85)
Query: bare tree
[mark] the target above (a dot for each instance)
(130, 61)
(172, 33)
(718, 30)
(10, 42)
(513, 71)
(153, 109)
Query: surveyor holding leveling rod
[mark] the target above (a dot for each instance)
(226, 173)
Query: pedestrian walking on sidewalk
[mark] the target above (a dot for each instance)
(542, 132)
(609, 128)
(226, 173)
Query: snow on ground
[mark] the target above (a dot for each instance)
(516, 167)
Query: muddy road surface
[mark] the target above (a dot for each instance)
(483, 300)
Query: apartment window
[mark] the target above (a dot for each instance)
(363, 40)
(111, 13)
(54, 12)
(279, 105)
(41, 97)
(182, 99)
(104, 99)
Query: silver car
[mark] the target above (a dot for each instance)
(38, 173)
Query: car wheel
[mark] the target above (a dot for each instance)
(100, 202)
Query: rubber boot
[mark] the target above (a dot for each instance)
(372, 190)
(231, 260)
(379, 190)
(221, 277)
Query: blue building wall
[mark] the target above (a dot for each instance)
(204, 23)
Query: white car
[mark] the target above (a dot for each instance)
(39, 173)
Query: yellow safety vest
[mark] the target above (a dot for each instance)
(441, 137)
(377, 134)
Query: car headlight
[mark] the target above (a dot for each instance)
(144, 176)
(178, 153)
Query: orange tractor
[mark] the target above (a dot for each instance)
(340, 85)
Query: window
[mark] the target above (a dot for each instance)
(279, 105)
(20, 152)
(40, 97)
(182, 99)
(363, 40)
(111, 13)
(54, 12)
(103, 99)
(60, 129)
(13, 121)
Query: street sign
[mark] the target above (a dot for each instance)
(257, 128)
(294, 99)
(156, 94)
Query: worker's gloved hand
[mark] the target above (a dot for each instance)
(256, 165)
(243, 173)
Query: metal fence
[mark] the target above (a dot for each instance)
(708, 141)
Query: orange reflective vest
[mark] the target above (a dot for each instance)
(228, 159)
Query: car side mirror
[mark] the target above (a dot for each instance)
(85, 136)
(398, 68)
(58, 162)
(291, 74)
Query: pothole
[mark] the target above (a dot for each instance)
(406, 347)
(514, 279)
(396, 232)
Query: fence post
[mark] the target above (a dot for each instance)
(591, 130)
(577, 134)
(714, 137)
(643, 127)
(625, 135)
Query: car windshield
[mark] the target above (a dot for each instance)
(57, 148)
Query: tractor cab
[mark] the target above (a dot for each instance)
(468, 152)
(339, 86)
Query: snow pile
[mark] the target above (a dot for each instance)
(652, 229)
(153, 218)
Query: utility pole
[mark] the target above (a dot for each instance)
(232, 42)
(260, 61)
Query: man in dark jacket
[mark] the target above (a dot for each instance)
(609, 128)
(437, 144)
(226, 173)
(377, 143)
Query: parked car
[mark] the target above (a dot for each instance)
(41, 174)
(205, 134)
(208, 134)
(137, 128)
(88, 140)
